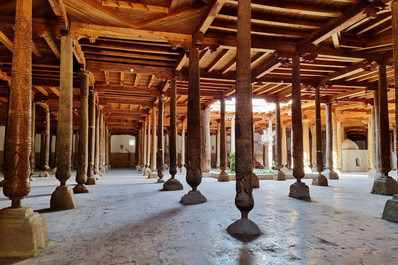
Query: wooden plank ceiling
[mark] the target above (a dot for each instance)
(133, 47)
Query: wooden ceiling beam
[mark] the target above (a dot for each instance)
(50, 42)
(60, 12)
(119, 4)
(213, 9)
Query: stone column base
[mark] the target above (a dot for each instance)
(279, 175)
(44, 174)
(255, 181)
(147, 172)
(91, 181)
(330, 174)
(54, 171)
(299, 190)
(80, 188)
(172, 184)
(97, 177)
(193, 197)
(2, 183)
(390, 212)
(244, 229)
(223, 177)
(62, 199)
(320, 180)
(23, 232)
(138, 168)
(385, 185)
(153, 175)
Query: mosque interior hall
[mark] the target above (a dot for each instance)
(198, 132)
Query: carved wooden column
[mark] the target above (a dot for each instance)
(107, 149)
(148, 170)
(62, 198)
(371, 141)
(91, 138)
(183, 146)
(206, 145)
(384, 185)
(232, 137)
(153, 146)
(32, 153)
(160, 154)
(82, 154)
(320, 180)
(143, 141)
(244, 227)
(137, 150)
(298, 190)
(306, 147)
(313, 146)
(22, 231)
(97, 143)
(194, 156)
(172, 183)
(329, 172)
(101, 147)
(278, 175)
(46, 158)
(218, 145)
(270, 145)
(390, 209)
(223, 176)
(255, 179)
(284, 146)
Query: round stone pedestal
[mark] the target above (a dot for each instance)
(320, 180)
(279, 175)
(80, 188)
(153, 175)
(255, 181)
(160, 181)
(91, 181)
(23, 233)
(244, 229)
(172, 184)
(62, 199)
(223, 177)
(44, 174)
(147, 172)
(193, 197)
(299, 191)
(330, 174)
(385, 185)
(390, 212)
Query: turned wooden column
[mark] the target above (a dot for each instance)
(313, 146)
(306, 146)
(218, 145)
(371, 140)
(144, 147)
(91, 137)
(278, 144)
(298, 190)
(194, 156)
(183, 145)
(47, 135)
(172, 183)
(148, 150)
(284, 146)
(321, 180)
(82, 154)
(232, 137)
(244, 131)
(394, 13)
(329, 143)
(19, 131)
(270, 145)
(137, 149)
(160, 153)
(97, 142)
(33, 139)
(153, 141)
(223, 176)
(62, 197)
(376, 129)
(206, 145)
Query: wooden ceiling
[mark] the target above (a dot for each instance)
(133, 47)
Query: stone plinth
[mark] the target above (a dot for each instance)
(91, 181)
(62, 199)
(193, 197)
(331, 174)
(321, 180)
(44, 174)
(390, 212)
(153, 175)
(80, 188)
(279, 175)
(223, 177)
(23, 233)
(385, 186)
(255, 181)
(244, 229)
(299, 190)
(172, 184)
(147, 171)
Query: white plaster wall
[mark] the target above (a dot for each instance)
(118, 140)
(349, 160)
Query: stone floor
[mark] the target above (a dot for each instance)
(125, 219)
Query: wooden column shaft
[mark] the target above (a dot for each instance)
(385, 145)
(318, 130)
(278, 136)
(91, 133)
(160, 151)
(223, 138)
(173, 129)
(329, 137)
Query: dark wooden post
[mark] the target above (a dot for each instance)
(244, 201)
(97, 143)
(194, 156)
(32, 153)
(62, 198)
(298, 190)
(47, 135)
(223, 176)
(278, 144)
(320, 180)
(160, 151)
(91, 137)
(384, 184)
(137, 149)
(172, 183)
(329, 172)
(82, 154)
